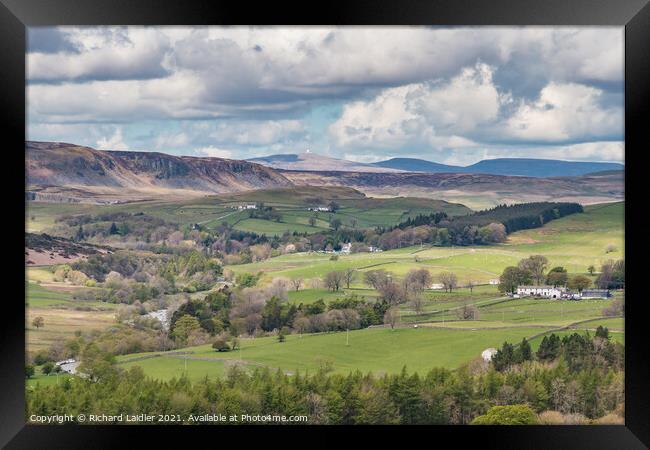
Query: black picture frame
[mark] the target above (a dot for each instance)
(634, 15)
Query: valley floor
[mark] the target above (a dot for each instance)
(440, 339)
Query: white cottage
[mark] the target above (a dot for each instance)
(540, 291)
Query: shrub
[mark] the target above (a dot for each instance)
(609, 419)
(616, 308)
(550, 418)
(507, 415)
(220, 344)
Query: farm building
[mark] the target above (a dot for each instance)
(494, 281)
(345, 248)
(595, 293)
(437, 286)
(68, 366)
(541, 291)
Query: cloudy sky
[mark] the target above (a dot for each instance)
(451, 95)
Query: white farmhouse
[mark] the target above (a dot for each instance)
(494, 281)
(437, 286)
(345, 248)
(540, 291)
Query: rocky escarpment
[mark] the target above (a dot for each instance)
(65, 165)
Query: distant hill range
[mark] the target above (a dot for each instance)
(313, 161)
(505, 166)
(60, 172)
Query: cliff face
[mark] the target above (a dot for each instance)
(60, 164)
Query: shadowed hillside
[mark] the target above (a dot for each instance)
(51, 165)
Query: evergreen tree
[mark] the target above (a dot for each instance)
(524, 351)
(602, 332)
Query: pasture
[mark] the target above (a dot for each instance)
(292, 204)
(377, 350)
(575, 242)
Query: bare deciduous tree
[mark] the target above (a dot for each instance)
(376, 278)
(467, 312)
(296, 283)
(449, 280)
(349, 274)
(393, 293)
(333, 280)
(301, 324)
(417, 301)
(392, 317)
(417, 280)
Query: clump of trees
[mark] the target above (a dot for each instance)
(579, 283)
(557, 276)
(265, 213)
(527, 271)
(612, 275)
(449, 280)
(334, 280)
(577, 351)
(521, 216)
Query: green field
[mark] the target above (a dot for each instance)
(575, 242)
(40, 378)
(166, 368)
(307, 296)
(380, 350)
(292, 203)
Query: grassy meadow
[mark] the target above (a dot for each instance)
(378, 350)
(62, 315)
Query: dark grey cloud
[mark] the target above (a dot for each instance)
(49, 40)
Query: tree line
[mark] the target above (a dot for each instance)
(542, 390)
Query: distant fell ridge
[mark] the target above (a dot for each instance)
(313, 161)
(528, 167)
(418, 165)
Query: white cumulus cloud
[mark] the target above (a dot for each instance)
(113, 142)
